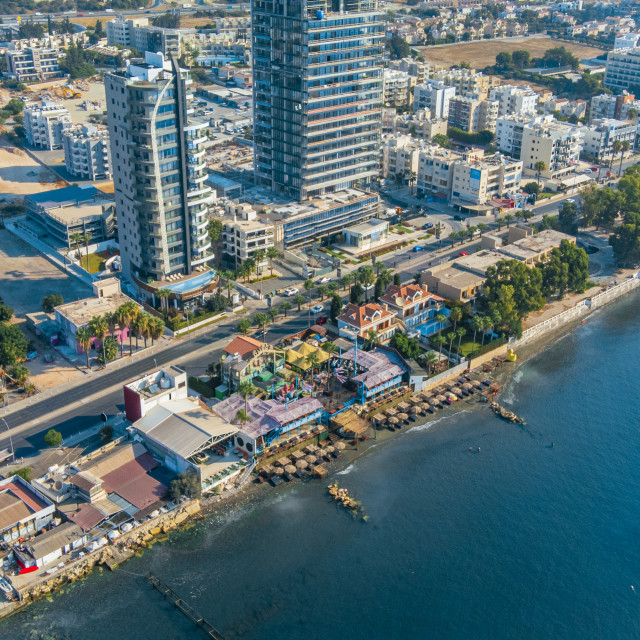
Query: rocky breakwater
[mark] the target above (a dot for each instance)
(139, 537)
(505, 414)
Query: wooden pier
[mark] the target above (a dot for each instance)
(182, 606)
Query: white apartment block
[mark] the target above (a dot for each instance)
(397, 88)
(508, 138)
(87, 152)
(435, 171)
(514, 100)
(613, 107)
(33, 64)
(434, 97)
(55, 41)
(626, 41)
(565, 107)
(244, 234)
(415, 68)
(419, 125)
(599, 138)
(623, 69)
(556, 144)
(45, 123)
(472, 114)
(121, 30)
(466, 80)
(477, 179)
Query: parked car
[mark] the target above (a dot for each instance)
(418, 248)
(32, 355)
(322, 319)
(317, 309)
(462, 253)
(458, 218)
(291, 291)
(570, 201)
(324, 280)
(595, 168)
(428, 225)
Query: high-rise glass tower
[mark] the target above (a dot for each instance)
(317, 88)
(159, 173)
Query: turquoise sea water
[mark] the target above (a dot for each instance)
(523, 540)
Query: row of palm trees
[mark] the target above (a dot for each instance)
(247, 268)
(81, 238)
(127, 316)
(621, 147)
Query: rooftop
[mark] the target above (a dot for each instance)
(536, 244)
(55, 539)
(369, 226)
(408, 293)
(243, 346)
(82, 311)
(364, 315)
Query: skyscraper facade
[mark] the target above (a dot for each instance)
(317, 88)
(159, 174)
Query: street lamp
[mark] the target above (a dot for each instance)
(13, 453)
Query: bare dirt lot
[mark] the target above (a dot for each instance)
(482, 53)
(21, 175)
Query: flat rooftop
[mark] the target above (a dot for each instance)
(368, 227)
(536, 244)
(480, 261)
(82, 311)
(459, 278)
(330, 201)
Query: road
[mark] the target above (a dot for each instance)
(103, 392)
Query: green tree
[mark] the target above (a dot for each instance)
(540, 166)
(50, 301)
(406, 347)
(322, 291)
(243, 326)
(53, 438)
(626, 241)
(356, 293)
(442, 141)
(163, 296)
(110, 348)
(185, 484)
(106, 433)
(83, 338)
(568, 218)
(439, 341)
(398, 47)
(460, 333)
(308, 287)
(299, 299)
(272, 254)
(336, 306)
(451, 336)
(509, 219)
(397, 280)
(23, 472)
(140, 324)
(346, 280)
(482, 227)
(531, 188)
(245, 389)
(455, 316)
(273, 313)
(285, 307)
(13, 344)
(215, 229)
(99, 328)
(431, 359)
(477, 324)
(259, 256)
(20, 374)
(261, 320)
(312, 360)
(555, 277)
(155, 328)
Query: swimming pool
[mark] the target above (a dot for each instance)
(185, 286)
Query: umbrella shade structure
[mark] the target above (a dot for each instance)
(297, 455)
(278, 470)
(330, 449)
(311, 459)
(267, 469)
(476, 383)
(311, 448)
(290, 468)
(340, 445)
(402, 406)
(403, 416)
(467, 385)
(393, 420)
(424, 406)
(302, 464)
(283, 462)
(456, 390)
(434, 401)
(392, 412)
(416, 399)
(415, 409)
(441, 398)
(379, 417)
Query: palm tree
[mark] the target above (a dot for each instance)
(346, 280)
(155, 328)
(250, 264)
(261, 320)
(540, 166)
(140, 323)
(241, 417)
(508, 219)
(477, 324)
(132, 312)
(245, 270)
(488, 324)
(83, 338)
(482, 227)
(330, 348)
(333, 288)
(284, 307)
(372, 338)
(163, 294)
(451, 336)
(322, 290)
(86, 238)
(439, 341)
(453, 236)
(121, 316)
(273, 313)
(412, 178)
(527, 214)
(616, 147)
(312, 360)
(367, 276)
(299, 299)
(440, 319)
(259, 256)
(455, 316)
(245, 389)
(431, 359)
(461, 332)
(99, 329)
(308, 287)
(626, 145)
(272, 254)
(76, 239)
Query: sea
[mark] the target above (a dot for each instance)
(536, 536)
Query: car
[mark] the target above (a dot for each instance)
(428, 225)
(322, 319)
(458, 218)
(570, 201)
(324, 280)
(418, 248)
(32, 355)
(595, 168)
(291, 291)
(461, 254)
(317, 309)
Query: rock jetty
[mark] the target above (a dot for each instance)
(505, 414)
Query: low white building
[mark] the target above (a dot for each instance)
(45, 123)
(626, 41)
(87, 152)
(434, 97)
(243, 234)
(613, 107)
(399, 158)
(514, 100)
(33, 64)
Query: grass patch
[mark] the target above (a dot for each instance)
(468, 347)
(400, 229)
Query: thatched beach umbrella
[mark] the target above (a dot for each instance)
(416, 399)
(340, 445)
(277, 470)
(403, 416)
(330, 449)
(302, 464)
(456, 390)
(424, 406)
(434, 401)
(403, 406)
(476, 383)
(467, 386)
(393, 420)
(392, 412)
(441, 398)
(415, 409)
(290, 468)
(311, 459)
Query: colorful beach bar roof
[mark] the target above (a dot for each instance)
(298, 357)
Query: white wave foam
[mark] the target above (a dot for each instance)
(344, 472)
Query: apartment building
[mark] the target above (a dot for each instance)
(159, 173)
(415, 68)
(33, 64)
(243, 234)
(466, 80)
(626, 41)
(477, 179)
(514, 100)
(434, 97)
(399, 157)
(508, 137)
(317, 89)
(613, 107)
(472, 114)
(435, 171)
(419, 125)
(87, 152)
(397, 88)
(623, 69)
(599, 138)
(366, 319)
(556, 144)
(44, 124)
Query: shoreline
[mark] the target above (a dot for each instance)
(251, 493)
